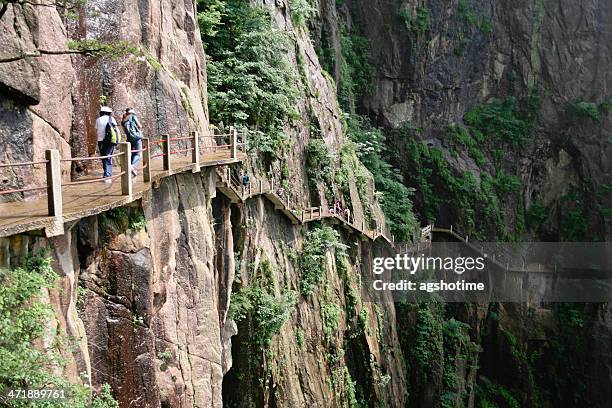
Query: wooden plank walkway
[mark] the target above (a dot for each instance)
(80, 201)
(232, 188)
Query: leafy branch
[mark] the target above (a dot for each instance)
(90, 48)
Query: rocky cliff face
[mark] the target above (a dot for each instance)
(51, 95)
(150, 305)
(432, 62)
(450, 83)
(146, 290)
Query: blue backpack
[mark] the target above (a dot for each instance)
(131, 129)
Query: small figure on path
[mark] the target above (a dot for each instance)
(133, 130)
(338, 208)
(347, 215)
(108, 137)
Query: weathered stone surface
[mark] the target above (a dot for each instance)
(19, 78)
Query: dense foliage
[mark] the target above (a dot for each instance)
(268, 312)
(500, 121)
(258, 302)
(355, 71)
(319, 163)
(23, 318)
(317, 243)
(395, 196)
(301, 11)
(250, 80)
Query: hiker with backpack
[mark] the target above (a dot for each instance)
(108, 137)
(133, 130)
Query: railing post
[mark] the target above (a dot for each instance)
(146, 160)
(234, 143)
(195, 151)
(244, 140)
(126, 178)
(166, 153)
(54, 183)
(231, 135)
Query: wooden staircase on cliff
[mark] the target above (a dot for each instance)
(230, 186)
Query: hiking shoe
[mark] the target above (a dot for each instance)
(108, 181)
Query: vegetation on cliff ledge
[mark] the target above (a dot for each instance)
(24, 318)
(250, 79)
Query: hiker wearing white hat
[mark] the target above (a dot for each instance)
(105, 146)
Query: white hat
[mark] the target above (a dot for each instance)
(131, 111)
(106, 109)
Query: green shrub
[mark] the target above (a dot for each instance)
(574, 225)
(418, 23)
(137, 221)
(250, 79)
(319, 162)
(461, 135)
(536, 215)
(330, 316)
(104, 399)
(301, 11)
(500, 120)
(122, 219)
(489, 395)
(317, 243)
(467, 20)
(570, 316)
(23, 319)
(355, 70)
(364, 321)
(505, 183)
(210, 13)
(395, 200)
(299, 337)
(605, 106)
(587, 110)
(427, 345)
(268, 313)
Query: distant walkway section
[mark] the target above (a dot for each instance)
(236, 191)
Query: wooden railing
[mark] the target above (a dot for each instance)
(233, 141)
(260, 186)
(531, 268)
